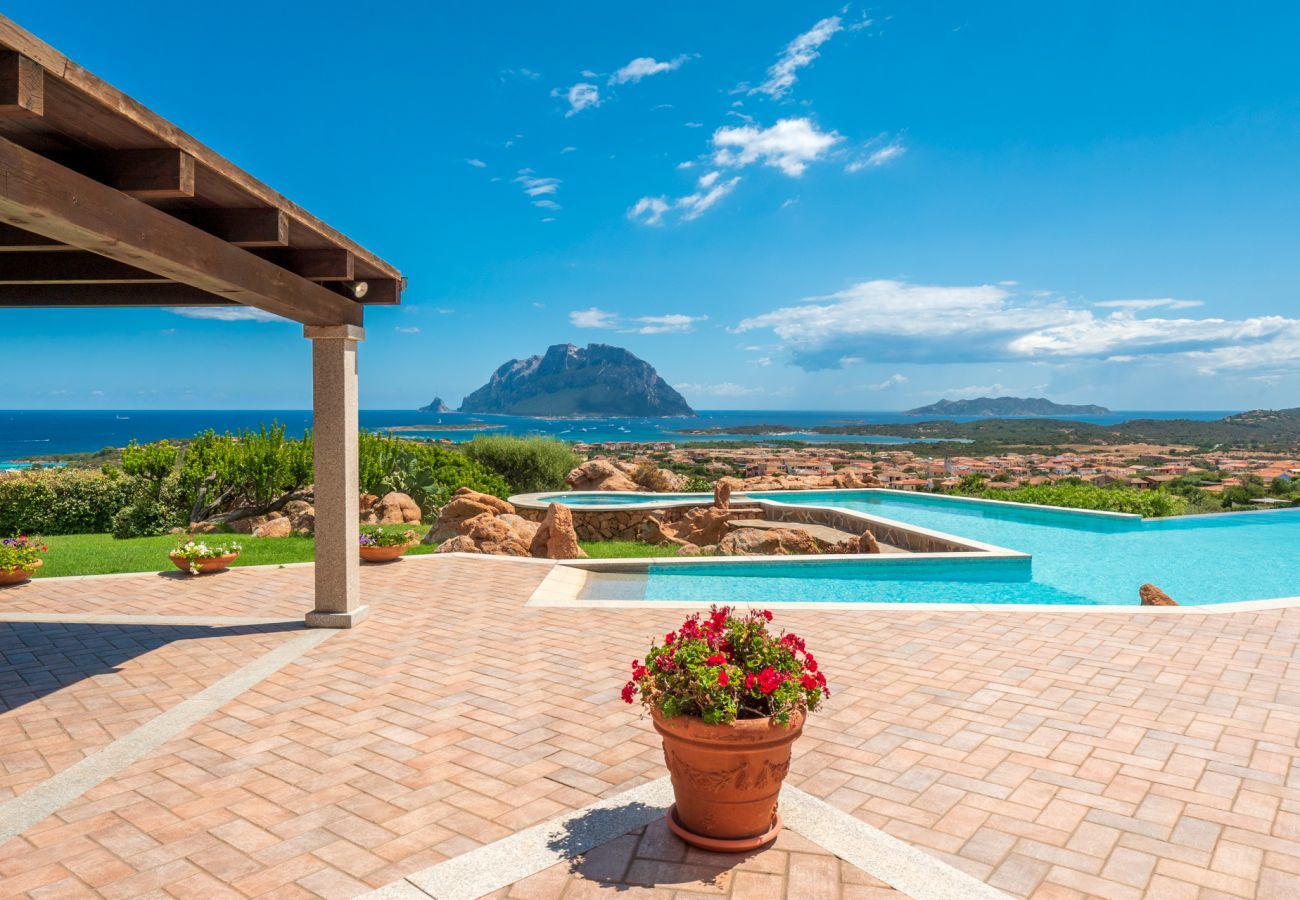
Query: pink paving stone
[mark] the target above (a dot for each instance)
(457, 715)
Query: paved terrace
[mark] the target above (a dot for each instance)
(172, 737)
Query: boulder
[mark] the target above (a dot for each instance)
(657, 533)
(366, 509)
(767, 542)
(463, 506)
(301, 515)
(248, 524)
(722, 494)
(279, 526)
(689, 550)
(1153, 596)
(867, 543)
(485, 533)
(526, 528)
(600, 475)
(704, 525)
(396, 508)
(650, 477)
(556, 537)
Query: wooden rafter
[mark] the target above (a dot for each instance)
(41, 196)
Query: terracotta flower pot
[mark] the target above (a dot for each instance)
(205, 566)
(726, 779)
(383, 554)
(18, 576)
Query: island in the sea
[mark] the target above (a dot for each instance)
(436, 406)
(1006, 406)
(598, 380)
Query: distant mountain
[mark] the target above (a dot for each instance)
(599, 380)
(1005, 406)
(437, 406)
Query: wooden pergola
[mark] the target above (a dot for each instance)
(103, 203)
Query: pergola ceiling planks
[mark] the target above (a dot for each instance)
(103, 202)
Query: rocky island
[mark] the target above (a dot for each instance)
(598, 380)
(1005, 406)
(436, 406)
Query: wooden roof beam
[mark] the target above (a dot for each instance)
(78, 267)
(22, 85)
(150, 174)
(37, 194)
(164, 293)
(12, 238)
(315, 265)
(258, 227)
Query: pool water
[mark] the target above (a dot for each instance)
(1076, 558)
(580, 500)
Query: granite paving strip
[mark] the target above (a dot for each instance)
(51, 795)
(1043, 753)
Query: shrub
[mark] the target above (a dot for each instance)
(61, 501)
(156, 460)
(430, 474)
(727, 667)
(697, 484)
(1077, 495)
(250, 469)
(530, 465)
(143, 517)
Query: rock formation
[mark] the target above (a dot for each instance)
(722, 494)
(604, 474)
(767, 542)
(598, 380)
(555, 537)
(396, 508)
(1153, 596)
(485, 533)
(600, 475)
(464, 505)
(437, 406)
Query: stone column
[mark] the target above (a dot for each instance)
(334, 433)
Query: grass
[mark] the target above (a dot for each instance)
(624, 549)
(102, 554)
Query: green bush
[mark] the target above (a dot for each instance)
(156, 460)
(1152, 504)
(529, 464)
(61, 501)
(249, 469)
(697, 484)
(429, 473)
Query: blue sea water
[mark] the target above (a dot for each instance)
(26, 433)
(1075, 558)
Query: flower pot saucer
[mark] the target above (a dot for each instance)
(723, 845)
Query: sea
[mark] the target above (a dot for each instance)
(29, 434)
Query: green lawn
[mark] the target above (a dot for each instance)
(102, 554)
(624, 549)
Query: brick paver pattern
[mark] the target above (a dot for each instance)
(1049, 754)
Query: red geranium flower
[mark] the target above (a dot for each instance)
(716, 659)
(723, 678)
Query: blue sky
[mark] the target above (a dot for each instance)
(778, 205)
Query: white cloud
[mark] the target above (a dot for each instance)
(226, 313)
(763, 361)
(534, 186)
(1136, 305)
(476, 163)
(593, 318)
(789, 145)
(693, 124)
(897, 321)
(723, 389)
(895, 380)
(671, 323)
(649, 210)
(568, 149)
(709, 190)
(546, 204)
(580, 96)
(644, 66)
(877, 157)
(412, 330)
(797, 54)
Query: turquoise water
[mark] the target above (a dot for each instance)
(579, 499)
(1076, 558)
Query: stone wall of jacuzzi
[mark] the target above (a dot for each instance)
(613, 524)
(610, 524)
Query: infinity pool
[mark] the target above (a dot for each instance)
(1075, 558)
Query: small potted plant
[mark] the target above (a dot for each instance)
(728, 698)
(202, 558)
(20, 557)
(378, 545)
